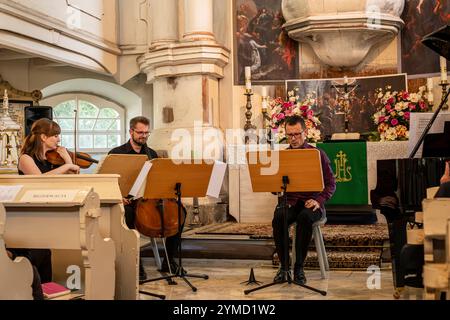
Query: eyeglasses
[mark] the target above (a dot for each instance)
(295, 134)
(142, 133)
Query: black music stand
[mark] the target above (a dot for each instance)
(167, 179)
(302, 171)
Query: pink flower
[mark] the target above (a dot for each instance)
(405, 95)
(422, 105)
(412, 106)
(304, 108)
(381, 119)
(281, 116)
(407, 115)
(287, 105)
(394, 122)
(388, 107)
(391, 100)
(310, 114)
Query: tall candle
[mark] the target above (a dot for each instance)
(264, 92)
(248, 78)
(443, 69)
(430, 84)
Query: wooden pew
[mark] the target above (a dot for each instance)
(15, 276)
(111, 222)
(65, 218)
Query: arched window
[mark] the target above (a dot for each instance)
(100, 123)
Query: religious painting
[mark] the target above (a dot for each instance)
(328, 95)
(421, 18)
(262, 44)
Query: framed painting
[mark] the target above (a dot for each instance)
(326, 94)
(421, 18)
(262, 44)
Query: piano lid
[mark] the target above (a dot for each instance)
(439, 41)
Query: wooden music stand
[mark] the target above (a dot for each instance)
(168, 180)
(128, 166)
(297, 171)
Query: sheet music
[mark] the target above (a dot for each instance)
(137, 188)
(216, 180)
(419, 122)
(9, 193)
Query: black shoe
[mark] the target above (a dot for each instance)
(142, 273)
(299, 276)
(281, 275)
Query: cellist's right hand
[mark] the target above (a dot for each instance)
(126, 201)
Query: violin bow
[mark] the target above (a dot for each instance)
(75, 134)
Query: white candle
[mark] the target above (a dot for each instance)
(248, 73)
(264, 92)
(443, 69)
(248, 78)
(430, 84)
(430, 97)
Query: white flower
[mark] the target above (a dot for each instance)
(399, 106)
(401, 113)
(414, 97)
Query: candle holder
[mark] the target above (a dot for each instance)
(249, 127)
(444, 85)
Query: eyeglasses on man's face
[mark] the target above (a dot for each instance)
(141, 133)
(294, 134)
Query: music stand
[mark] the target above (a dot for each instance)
(300, 169)
(167, 180)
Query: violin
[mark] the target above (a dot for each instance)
(81, 159)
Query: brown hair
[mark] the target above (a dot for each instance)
(135, 121)
(32, 145)
(293, 120)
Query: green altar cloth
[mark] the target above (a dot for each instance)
(349, 164)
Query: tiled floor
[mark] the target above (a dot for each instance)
(226, 277)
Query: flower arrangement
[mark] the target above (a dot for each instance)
(393, 117)
(280, 110)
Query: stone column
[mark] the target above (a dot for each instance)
(198, 20)
(163, 21)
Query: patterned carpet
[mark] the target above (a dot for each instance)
(347, 246)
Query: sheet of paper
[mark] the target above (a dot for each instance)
(216, 180)
(137, 188)
(9, 193)
(419, 122)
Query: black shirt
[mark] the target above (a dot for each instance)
(44, 166)
(127, 148)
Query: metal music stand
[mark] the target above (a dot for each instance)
(168, 180)
(301, 170)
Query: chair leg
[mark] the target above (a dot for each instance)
(156, 253)
(324, 252)
(319, 252)
(294, 257)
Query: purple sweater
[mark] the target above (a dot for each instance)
(328, 179)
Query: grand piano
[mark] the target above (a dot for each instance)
(402, 184)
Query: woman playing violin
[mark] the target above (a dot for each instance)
(44, 137)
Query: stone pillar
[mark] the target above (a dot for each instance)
(163, 21)
(198, 20)
(185, 75)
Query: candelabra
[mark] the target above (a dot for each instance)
(444, 84)
(249, 128)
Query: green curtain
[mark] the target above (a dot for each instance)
(349, 164)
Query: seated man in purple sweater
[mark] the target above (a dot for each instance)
(305, 208)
